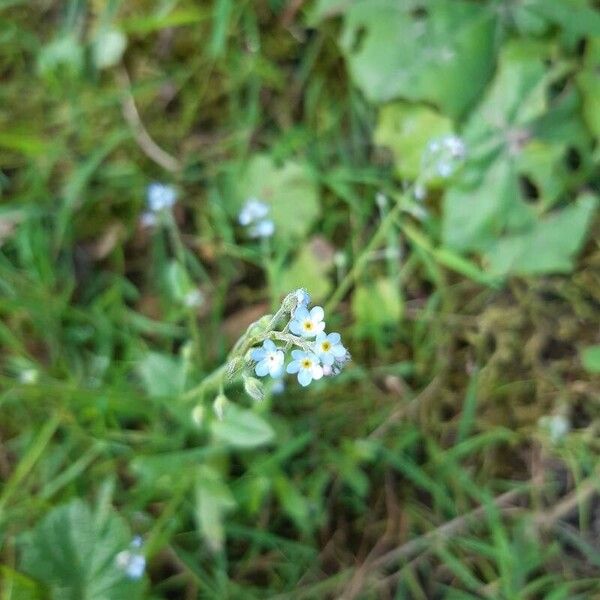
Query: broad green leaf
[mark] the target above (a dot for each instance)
(289, 190)
(161, 374)
(242, 428)
(576, 17)
(548, 247)
(376, 305)
(293, 503)
(213, 501)
(590, 357)
(73, 553)
(443, 54)
(475, 215)
(406, 129)
(309, 269)
(517, 149)
(516, 97)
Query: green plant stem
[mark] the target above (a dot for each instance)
(362, 261)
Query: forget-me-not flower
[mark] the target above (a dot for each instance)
(160, 197)
(329, 348)
(262, 229)
(302, 299)
(252, 211)
(269, 360)
(306, 364)
(132, 561)
(254, 215)
(443, 156)
(307, 324)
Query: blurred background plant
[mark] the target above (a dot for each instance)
(428, 170)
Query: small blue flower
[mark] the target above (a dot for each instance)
(328, 348)
(302, 299)
(307, 324)
(262, 229)
(443, 156)
(132, 561)
(254, 215)
(269, 360)
(278, 387)
(160, 197)
(306, 364)
(252, 211)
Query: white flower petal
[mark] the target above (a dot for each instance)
(317, 313)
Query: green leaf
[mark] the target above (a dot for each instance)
(161, 374)
(63, 56)
(512, 175)
(548, 247)
(213, 502)
(289, 190)
(476, 214)
(293, 503)
(376, 305)
(309, 269)
(242, 428)
(590, 357)
(178, 281)
(443, 56)
(72, 552)
(576, 17)
(406, 129)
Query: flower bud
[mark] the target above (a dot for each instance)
(220, 406)
(254, 388)
(233, 367)
(198, 415)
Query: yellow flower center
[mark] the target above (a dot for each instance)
(306, 363)
(326, 346)
(308, 325)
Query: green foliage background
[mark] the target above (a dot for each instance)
(430, 467)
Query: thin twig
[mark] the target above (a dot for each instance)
(149, 147)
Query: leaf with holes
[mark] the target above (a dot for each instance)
(548, 246)
(442, 54)
(519, 146)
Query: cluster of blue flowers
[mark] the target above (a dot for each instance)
(443, 156)
(322, 356)
(132, 561)
(254, 216)
(160, 198)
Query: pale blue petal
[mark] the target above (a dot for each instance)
(316, 372)
(276, 372)
(262, 368)
(304, 377)
(321, 337)
(295, 327)
(334, 338)
(301, 313)
(269, 345)
(298, 354)
(293, 367)
(258, 354)
(338, 351)
(327, 358)
(317, 313)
